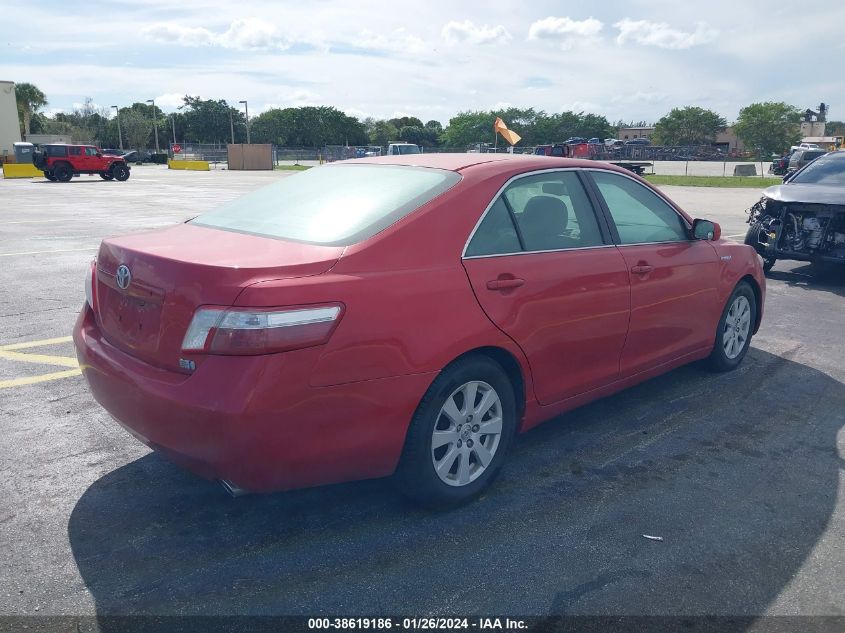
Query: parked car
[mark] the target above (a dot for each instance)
(804, 218)
(291, 338)
(638, 141)
(138, 157)
(61, 162)
(802, 156)
(596, 141)
(400, 149)
(611, 143)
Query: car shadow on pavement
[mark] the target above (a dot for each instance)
(738, 474)
(800, 275)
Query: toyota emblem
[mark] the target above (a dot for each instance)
(123, 277)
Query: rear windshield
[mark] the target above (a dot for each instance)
(334, 205)
(827, 170)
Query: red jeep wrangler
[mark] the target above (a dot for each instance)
(63, 162)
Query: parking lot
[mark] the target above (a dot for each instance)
(741, 474)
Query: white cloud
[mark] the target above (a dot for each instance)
(170, 100)
(565, 30)
(243, 34)
(397, 41)
(292, 99)
(662, 35)
(468, 33)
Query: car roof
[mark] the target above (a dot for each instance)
(489, 163)
(452, 162)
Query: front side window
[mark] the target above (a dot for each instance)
(90, 151)
(543, 212)
(640, 215)
(334, 205)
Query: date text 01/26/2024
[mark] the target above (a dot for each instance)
(417, 624)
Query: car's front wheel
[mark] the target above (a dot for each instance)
(107, 175)
(733, 335)
(459, 435)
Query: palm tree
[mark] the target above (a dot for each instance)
(30, 99)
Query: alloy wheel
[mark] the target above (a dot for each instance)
(737, 327)
(467, 433)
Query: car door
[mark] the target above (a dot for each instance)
(674, 278)
(92, 161)
(77, 157)
(543, 268)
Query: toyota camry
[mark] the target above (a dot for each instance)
(404, 316)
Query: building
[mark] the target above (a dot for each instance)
(10, 131)
(627, 133)
(729, 142)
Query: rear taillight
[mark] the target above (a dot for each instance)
(91, 284)
(248, 331)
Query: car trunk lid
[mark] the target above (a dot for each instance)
(175, 270)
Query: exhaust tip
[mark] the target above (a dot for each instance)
(232, 489)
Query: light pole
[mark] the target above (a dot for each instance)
(246, 108)
(173, 123)
(231, 126)
(119, 133)
(155, 124)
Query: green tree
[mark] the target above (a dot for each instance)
(380, 132)
(136, 128)
(433, 129)
(466, 128)
(413, 134)
(29, 99)
(769, 127)
(210, 121)
(269, 127)
(688, 126)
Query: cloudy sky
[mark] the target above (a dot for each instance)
(626, 60)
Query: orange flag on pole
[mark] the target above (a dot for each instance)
(509, 135)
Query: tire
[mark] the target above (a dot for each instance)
(120, 172)
(735, 329)
(49, 176)
(106, 175)
(463, 445)
(752, 239)
(62, 172)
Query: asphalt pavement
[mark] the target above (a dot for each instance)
(740, 474)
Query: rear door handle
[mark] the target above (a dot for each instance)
(641, 269)
(504, 284)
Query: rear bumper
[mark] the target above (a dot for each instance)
(254, 421)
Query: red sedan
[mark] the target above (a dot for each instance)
(405, 315)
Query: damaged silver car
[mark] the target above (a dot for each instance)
(804, 218)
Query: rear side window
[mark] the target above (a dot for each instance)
(551, 210)
(335, 205)
(55, 150)
(76, 151)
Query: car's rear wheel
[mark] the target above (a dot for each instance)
(107, 175)
(459, 435)
(733, 335)
(49, 176)
(63, 172)
(120, 172)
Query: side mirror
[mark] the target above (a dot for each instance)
(706, 230)
(99, 155)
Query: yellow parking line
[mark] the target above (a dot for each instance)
(45, 341)
(61, 361)
(64, 250)
(32, 380)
